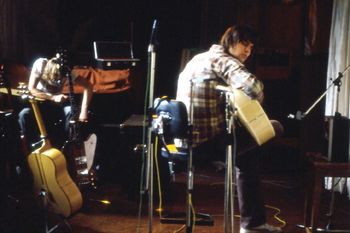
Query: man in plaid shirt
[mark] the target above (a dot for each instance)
(197, 86)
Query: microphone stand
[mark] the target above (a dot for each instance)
(150, 135)
(230, 164)
(202, 218)
(231, 145)
(189, 190)
(337, 82)
(299, 115)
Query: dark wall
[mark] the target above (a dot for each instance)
(291, 59)
(292, 79)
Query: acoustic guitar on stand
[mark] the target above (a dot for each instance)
(81, 162)
(49, 168)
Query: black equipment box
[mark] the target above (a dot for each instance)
(338, 141)
(110, 55)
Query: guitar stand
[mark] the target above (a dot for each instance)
(43, 198)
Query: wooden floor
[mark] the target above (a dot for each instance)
(283, 193)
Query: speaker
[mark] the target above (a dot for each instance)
(338, 139)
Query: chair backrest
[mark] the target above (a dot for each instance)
(174, 116)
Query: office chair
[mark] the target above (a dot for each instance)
(175, 133)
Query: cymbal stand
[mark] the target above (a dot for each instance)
(230, 165)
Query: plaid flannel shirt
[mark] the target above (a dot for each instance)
(201, 76)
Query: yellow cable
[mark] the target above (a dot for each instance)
(193, 212)
(158, 178)
(284, 223)
(275, 215)
(180, 229)
(193, 217)
(159, 186)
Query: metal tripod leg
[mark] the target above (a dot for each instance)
(43, 197)
(149, 181)
(230, 164)
(202, 219)
(330, 226)
(331, 207)
(229, 192)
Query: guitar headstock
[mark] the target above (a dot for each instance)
(2, 72)
(4, 79)
(62, 56)
(24, 93)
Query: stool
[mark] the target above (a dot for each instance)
(319, 169)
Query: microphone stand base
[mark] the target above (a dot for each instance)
(180, 218)
(308, 229)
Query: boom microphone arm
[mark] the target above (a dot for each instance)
(299, 115)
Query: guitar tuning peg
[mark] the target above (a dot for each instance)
(22, 85)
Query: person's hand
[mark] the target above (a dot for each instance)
(83, 116)
(83, 120)
(59, 98)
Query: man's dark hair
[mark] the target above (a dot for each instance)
(236, 34)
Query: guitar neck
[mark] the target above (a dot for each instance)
(40, 122)
(65, 70)
(71, 96)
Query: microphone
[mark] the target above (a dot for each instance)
(298, 116)
(158, 101)
(154, 31)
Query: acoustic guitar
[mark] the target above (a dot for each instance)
(49, 169)
(81, 162)
(253, 117)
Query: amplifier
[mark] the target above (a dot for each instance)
(338, 139)
(116, 64)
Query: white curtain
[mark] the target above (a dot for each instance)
(339, 61)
